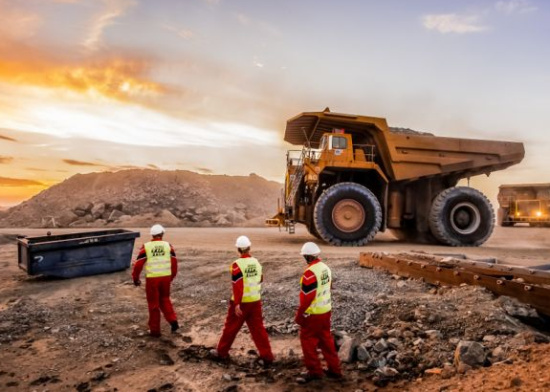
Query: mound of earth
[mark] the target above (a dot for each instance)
(138, 198)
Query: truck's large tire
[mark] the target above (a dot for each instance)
(461, 216)
(347, 214)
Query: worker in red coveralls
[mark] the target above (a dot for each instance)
(313, 317)
(161, 267)
(245, 306)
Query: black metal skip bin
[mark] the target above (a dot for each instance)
(77, 254)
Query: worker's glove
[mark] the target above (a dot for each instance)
(137, 282)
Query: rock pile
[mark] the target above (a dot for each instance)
(135, 198)
(387, 351)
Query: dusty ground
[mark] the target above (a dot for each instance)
(90, 333)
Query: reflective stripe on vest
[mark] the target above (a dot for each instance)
(158, 259)
(252, 279)
(322, 303)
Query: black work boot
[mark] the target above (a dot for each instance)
(175, 326)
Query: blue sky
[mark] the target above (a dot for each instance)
(207, 85)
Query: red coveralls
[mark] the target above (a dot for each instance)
(252, 315)
(157, 290)
(315, 330)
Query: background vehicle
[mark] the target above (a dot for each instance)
(355, 176)
(524, 203)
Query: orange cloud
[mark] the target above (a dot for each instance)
(4, 159)
(9, 139)
(119, 79)
(80, 163)
(18, 182)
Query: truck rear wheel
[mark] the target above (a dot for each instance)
(502, 215)
(461, 216)
(347, 214)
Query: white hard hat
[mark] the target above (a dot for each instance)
(243, 242)
(157, 229)
(310, 249)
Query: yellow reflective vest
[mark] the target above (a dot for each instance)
(252, 279)
(322, 303)
(158, 259)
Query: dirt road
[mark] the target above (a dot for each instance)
(90, 333)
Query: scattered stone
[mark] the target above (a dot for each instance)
(363, 354)
(386, 372)
(498, 354)
(448, 371)
(227, 377)
(380, 346)
(470, 353)
(394, 333)
(394, 342)
(376, 332)
(489, 338)
(433, 334)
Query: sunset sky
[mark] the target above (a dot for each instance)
(207, 85)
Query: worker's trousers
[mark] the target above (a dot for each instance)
(158, 300)
(252, 315)
(315, 333)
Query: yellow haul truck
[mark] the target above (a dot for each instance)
(524, 203)
(355, 176)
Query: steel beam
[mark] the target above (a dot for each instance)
(438, 271)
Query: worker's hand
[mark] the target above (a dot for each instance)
(300, 319)
(137, 282)
(238, 311)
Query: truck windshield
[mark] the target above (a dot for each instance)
(323, 143)
(339, 142)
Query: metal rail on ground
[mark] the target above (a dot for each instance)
(528, 285)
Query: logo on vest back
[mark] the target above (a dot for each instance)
(325, 279)
(158, 250)
(251, 271)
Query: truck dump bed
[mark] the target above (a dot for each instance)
(408, 156)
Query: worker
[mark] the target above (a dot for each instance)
(313, 317)
(161, 267)
(245, 305)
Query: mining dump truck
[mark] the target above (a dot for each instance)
(524, 203)
(355, 176)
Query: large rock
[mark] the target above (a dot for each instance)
(98, 210)
(347, 350)
(470, 353)
(363, 354)
(167, 218)
(66, 218)
(115, 215)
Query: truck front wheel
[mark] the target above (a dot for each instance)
(461, 216)
(347, 214)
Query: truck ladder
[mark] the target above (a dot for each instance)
(291, 226)
(296, 181)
